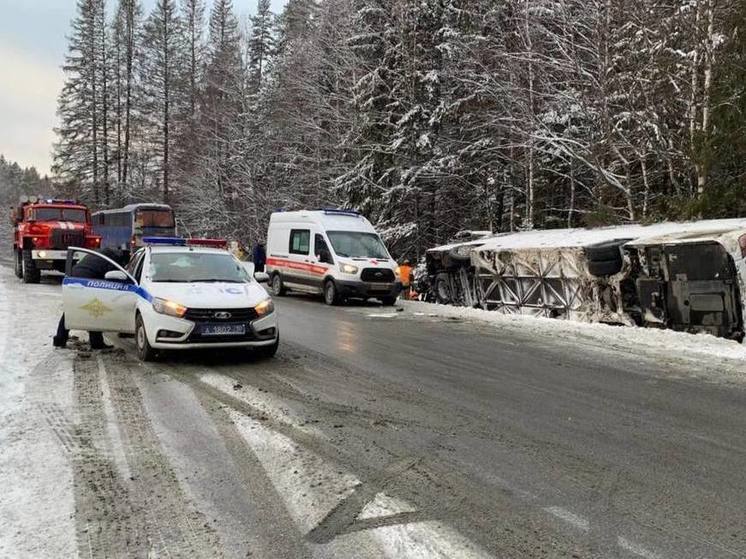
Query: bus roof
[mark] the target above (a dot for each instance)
(132, 207)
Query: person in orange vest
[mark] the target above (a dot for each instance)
(405, 276)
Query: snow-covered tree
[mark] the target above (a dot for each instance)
(165, 86)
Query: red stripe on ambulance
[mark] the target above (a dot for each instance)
(299, 266)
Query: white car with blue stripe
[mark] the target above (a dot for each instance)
(175, 296)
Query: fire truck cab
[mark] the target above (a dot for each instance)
(43, 229)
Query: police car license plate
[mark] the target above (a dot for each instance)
(223, 329)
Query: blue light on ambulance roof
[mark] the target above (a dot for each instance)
(167, 241)
(340, 211)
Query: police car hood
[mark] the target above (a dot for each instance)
(211, 295)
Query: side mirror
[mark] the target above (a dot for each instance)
(117, 275)
(325, 257)
(261, 277)
(249, 267)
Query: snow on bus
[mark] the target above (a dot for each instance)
(685, 276)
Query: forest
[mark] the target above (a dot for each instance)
(428, 116)
(17, 181)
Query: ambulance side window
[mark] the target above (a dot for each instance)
(300, 241)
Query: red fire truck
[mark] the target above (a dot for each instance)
(43, 229)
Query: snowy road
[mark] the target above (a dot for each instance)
(372, 434)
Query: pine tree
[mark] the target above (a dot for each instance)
(260, 47)
(193, 13)
(81, 138)
(165, 87)
(220, 125)
(126, 28)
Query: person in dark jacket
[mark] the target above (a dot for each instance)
(89, 267)
(259, 257)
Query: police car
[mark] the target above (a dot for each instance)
(175, 294)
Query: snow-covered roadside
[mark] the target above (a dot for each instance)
(36, 387)
(718, 354)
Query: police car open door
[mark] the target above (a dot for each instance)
(99, 305)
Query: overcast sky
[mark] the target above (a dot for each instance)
(32, 47)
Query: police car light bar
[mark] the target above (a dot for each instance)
(164, 241)
(339, 211)
(215, 243)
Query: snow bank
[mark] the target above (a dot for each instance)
(660, 344)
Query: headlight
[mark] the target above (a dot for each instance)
(265, 307)
(348, 269)
(170, 308)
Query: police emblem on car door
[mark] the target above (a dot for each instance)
(101, 305)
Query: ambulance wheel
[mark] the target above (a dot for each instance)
(278, 287)
(18, 260)
(331, 297)
(144, 351)
(30, 273)
(388, 301)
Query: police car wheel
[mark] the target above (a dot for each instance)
(268, 351)
(278, 288)
(330, 293)
(144, 351)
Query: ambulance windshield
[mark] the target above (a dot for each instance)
(353, 244)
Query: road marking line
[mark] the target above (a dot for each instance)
(636, 548)
(570, 517)
(311, 487)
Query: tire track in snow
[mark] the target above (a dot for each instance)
(174, 526)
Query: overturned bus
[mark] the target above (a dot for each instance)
(685, 276)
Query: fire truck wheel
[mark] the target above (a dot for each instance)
(18, 259)
(31, 274)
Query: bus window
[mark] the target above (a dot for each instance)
(155, 218)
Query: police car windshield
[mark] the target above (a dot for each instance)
(196, 267)
(353, 244)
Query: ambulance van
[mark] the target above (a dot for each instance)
(334, 253)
